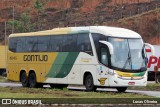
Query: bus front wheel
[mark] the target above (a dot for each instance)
(24, 80)
(121, 89)
(89, 84)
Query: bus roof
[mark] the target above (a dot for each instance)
(105, 30)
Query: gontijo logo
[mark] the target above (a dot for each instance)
(153, 60)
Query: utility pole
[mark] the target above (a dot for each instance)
(13, 21)
(6, 45)
(13, 17)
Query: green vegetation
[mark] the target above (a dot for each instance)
(149, 87)
(39, 5)
(8, 92)
(140, 15)
(19, 92)
(3, 79)
(24, 24)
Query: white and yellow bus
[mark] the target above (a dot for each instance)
(94, 56)
(3, 53)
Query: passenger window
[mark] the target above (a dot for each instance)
(83, 43)
(56, 43)
(12, 44)
(43, 43)
(31, 44)
(96, 39)
(70, 43)
(20, 44)
(104, 58)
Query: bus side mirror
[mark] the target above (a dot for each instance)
(110, 46)
(151, 47)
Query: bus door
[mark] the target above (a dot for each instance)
(102, 68)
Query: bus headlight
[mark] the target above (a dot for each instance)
(117, 76)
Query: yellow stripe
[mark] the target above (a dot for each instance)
(123, 74)
(42, 33)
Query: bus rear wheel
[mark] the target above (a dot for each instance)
(24, 80)
(121, 89)
(32, 80)
(89, 84)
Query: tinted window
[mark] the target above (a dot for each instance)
(43, 43)
(56, 43)
(104, 58)
(31, 44)
(12, 44)
(96, 39)
(83, 43)
(20, 45)
(70, 43)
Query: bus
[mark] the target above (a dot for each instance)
(93, 56)
(3, 51)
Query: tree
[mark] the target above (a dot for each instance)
(23, 24)
(39, 5)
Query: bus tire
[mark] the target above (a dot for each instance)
(4, 74)
(158, 78)
(89, 84)
(24, 80)
(32, 80)
(121, 89)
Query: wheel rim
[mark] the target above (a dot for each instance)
(89, 83)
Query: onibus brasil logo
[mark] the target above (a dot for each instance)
(21, 102)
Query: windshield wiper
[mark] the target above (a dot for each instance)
(128, 61)
(129, 57)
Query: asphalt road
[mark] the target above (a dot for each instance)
(149, 93)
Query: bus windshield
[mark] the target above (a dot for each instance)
(127, 53)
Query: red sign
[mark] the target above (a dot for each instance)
(154, 60)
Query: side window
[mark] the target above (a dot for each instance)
(20, 44)
(12, 44)
(96, 39)
(73, 43)
(65, 44)
(43, 43)
(104, 58)
(83, 43)
(31, 44)
(56, 43)
(70, 43)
